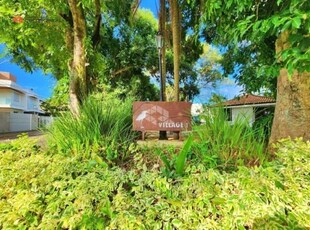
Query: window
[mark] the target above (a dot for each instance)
(16, 97)
(228, 114)
(262, 112)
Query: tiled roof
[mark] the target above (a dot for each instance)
(249, 99)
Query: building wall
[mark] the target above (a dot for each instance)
(32, 104)
(5, 122)
(15, 97)
(16, 122)
(245, 114)
(7, 76)
(5, 98)
(23, 122)
(17, 100)
(18, 106)
(11, 99)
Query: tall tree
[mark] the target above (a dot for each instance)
(163, 31)
(78, 85)
(288, 20)
(191, 45)
(292, 113)
(176, 37)
(70, 38)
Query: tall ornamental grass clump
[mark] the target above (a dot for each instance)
(218, 142)
(103, 129)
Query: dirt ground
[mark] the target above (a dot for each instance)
(14, 135)
(151, 139)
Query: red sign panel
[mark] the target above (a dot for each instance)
(161, 116)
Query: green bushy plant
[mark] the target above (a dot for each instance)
(103, 129)
(45, 191)
(264, 123)
(54, 191)
(218, 142)
(22, 143)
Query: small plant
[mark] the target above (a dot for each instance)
(176, 166)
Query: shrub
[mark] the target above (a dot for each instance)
(264, 123)
(22, 143)
(44, 191)
(218, 142)
(103, 129)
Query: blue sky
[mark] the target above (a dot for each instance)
(43, 84)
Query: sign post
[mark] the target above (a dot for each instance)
(161, 116)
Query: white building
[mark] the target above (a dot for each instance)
(14, 98)
(248, 107)
(19, 108)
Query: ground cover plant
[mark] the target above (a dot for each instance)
(48, 190)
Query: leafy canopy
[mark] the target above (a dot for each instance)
(249, 29)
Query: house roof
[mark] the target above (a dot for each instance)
(249, 99)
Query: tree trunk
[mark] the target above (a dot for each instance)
(78, 84)
(176, 42)
(292, 113)
(175, 14)
(162, 29)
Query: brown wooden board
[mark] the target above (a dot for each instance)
(161, 116)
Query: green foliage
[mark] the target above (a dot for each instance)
(218, 142)
(264, 122)
(118, 49)
(209, 65)
(59, 101)
(23, 144)
(175, 166)
(130, 51)
(39, 41)
(249, 30)
(45, 191)
(103, 129)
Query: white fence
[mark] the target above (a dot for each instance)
(15, 122)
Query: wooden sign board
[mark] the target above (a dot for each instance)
(161, 116)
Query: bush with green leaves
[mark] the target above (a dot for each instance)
(39, 190)
(103, 128)
(219, 142)
(53, 191)
(264, 122)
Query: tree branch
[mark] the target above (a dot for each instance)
(98, 19)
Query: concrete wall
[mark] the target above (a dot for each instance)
(244, 114)
(4, 122)
(16, 122)
(23, 122)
